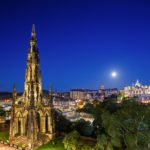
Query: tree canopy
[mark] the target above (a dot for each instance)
(2, 112)
(121, 126)
(85, 128)
(72, 141)
(128, 127)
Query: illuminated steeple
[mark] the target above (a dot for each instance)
(14, 87)
(33, 29)
(33, 32)
(30, 115)
(33, 40)
(33, 85)
(14, 92)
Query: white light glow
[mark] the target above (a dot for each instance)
(114, 74)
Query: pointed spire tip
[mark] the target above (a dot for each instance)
(14, 84)
(50, 86)
(33, 28)
(14, 87)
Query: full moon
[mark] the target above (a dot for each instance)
(114, 74)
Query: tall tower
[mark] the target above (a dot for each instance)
(33, 85)
(31, 116)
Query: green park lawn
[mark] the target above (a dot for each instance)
(4, 135)
(58, 145)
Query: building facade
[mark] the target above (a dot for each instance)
(82, 94)
(87, 94)
(63, 103)
(142, 92)
(109, 92)
(32, 113)
(77, 94)
(136, 90)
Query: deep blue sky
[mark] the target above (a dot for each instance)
(80, 42)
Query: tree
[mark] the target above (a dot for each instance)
(109, 138)
(126, 128)
(134, 124)
(72, 141)
(123, 126)
(83, 127)
(108, 105)
(87, 108)
(61, 123)
(2, 112)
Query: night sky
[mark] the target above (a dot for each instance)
(80, 42)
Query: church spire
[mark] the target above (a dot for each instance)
(33, 29)
(14, 91)
(14, 87)
(33, 38)
(33, 32)
(14, 94)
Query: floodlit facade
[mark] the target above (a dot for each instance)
(77, 94)
(32, 118)
(86, 94)
(137, 90)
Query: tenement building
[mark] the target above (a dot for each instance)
(32, 122)
(87, 94)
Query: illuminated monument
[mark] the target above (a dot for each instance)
(32, 114)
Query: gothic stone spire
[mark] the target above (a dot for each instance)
(33, 85)
(14, 92)
(33, 40)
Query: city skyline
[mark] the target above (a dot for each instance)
(80, 43)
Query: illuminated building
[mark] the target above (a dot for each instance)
(86, 94)
(63, 103)
(32, 113)
(109, 92)
(77, 94)
(82, 94)
(138, 90)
